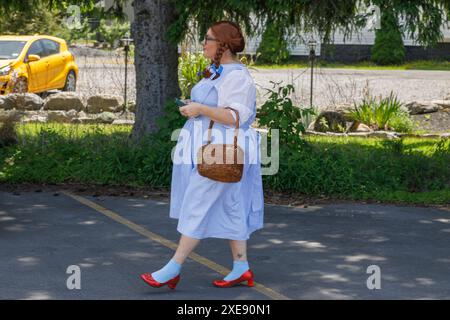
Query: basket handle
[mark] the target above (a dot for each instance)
(211, 123)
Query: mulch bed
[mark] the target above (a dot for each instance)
(433, 122)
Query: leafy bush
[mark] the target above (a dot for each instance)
(278, 112)
(388, 47)
(273, 47)
(401, 122)
(382, 114)
(330, 121)
(38, 19)
(113, 30)
(188, 66)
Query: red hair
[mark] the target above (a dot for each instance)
(229, 36)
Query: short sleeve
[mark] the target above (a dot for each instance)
(238, 91)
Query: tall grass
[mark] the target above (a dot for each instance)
(189, 64)
(379, 114)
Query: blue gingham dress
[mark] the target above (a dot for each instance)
(204, 207)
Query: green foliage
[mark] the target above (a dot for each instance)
(381, 114)
(401, 122)
(188, 66)
(423, 19)
(410, 169)
(330, 121)
(273, 47)
(388, 48)
(170, 120)
(278, 112)
(36, 19)
(113, 30)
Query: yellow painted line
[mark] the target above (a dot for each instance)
(169, 244)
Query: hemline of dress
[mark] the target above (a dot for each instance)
(225, 237)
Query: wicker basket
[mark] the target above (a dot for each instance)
(212, 158)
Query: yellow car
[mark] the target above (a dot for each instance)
(36, 64)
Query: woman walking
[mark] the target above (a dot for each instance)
(206, 208)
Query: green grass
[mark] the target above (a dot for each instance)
(366, 65)
(411, 170)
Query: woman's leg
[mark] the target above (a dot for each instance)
(240, 263)
(239, 250)
(185, 247)
(173, 267)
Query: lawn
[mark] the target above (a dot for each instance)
(411, 170)
(365, 65)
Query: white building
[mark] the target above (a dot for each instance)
(357, 47)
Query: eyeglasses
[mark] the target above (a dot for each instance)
(208, 38)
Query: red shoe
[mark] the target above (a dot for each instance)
(246, 276)
(172, 283)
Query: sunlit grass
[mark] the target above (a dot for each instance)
(365, 65)
(410, 170)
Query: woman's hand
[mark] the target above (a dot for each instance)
(191, 110)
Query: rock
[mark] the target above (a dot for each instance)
(22, 101)
(41, 118)
(127, 115)
(84, 120)
(330, 121)
(6, 102)
(383, 134)
(315, 133)
(430, 135)
(64, 101)
(62, 116)
(363, 128)
(444, 104)
(421, 107)
(4, 114)
(359, 134)
(311, 126)
(342, 108)
(123, 122)
(104, 102)
(72, 113)
(131, 106)
(106, 117)
(81, 114)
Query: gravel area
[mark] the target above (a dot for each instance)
(331, 86)
(343, 86)
(103, 72)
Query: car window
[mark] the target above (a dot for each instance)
(37, 48)
(51, 47)
(11, 49)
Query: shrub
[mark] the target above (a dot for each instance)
(388, 47)
(330, 121)
(273, 47)
(8, 134)
(401, 122)
(189, 64)
(381, 114)
(278, 112)
(113, 30)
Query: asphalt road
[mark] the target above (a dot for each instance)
(318, 252)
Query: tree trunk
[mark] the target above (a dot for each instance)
(156, 63)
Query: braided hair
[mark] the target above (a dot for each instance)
(229, 36)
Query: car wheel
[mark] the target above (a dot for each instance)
(20, 86)
(71, 82)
